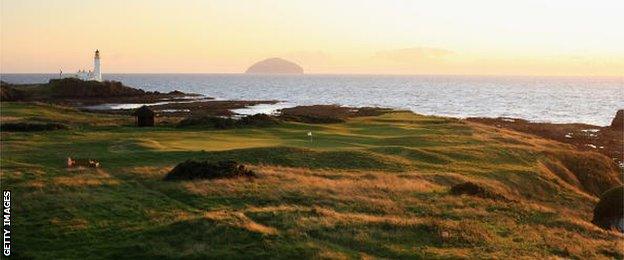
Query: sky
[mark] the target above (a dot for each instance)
(477, 37)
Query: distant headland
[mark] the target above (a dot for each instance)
(275, 66)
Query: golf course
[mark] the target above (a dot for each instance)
(370, 187)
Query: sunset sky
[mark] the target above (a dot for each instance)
(528, 37)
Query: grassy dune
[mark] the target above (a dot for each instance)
(370, 187)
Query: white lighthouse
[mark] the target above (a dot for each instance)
(97, 72)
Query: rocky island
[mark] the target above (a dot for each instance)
(274, 66)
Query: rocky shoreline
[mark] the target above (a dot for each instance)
(607, 140)
(222, 108)
(115, 98)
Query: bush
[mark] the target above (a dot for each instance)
(190, 170)
(609, 212)
(31, 127)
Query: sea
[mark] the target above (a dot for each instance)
(591, 100)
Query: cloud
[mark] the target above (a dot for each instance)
(414, 55)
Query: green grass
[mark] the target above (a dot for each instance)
(372, 186)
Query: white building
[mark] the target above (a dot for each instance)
(96, 74)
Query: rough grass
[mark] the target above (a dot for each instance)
(31, 127)
(370, 187)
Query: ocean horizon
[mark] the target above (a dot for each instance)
(555, 99)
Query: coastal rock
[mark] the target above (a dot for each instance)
(609, 212)
(327, 114)
(618, 120)
(76, 88)
(275, 66)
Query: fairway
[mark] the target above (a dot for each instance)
(370, 187)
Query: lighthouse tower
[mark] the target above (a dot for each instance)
(97, 72)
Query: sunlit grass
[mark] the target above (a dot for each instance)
(370, 187)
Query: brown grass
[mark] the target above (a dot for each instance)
(86, 178)
(239, 219)
(150, 171)
(568, 233)
(331, 217)
(71, 224)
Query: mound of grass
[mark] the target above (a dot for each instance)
(42, 112)
(31, 127)
(609, 212)
(594, 172)
(190, 170)
(257, 120)
(477, 190)
(413, 154)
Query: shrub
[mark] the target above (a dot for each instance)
(609, 212)
(31, 127)
(190, 170)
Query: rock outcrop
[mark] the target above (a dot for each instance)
(76, 88)
(274, 66)
(618, 120)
